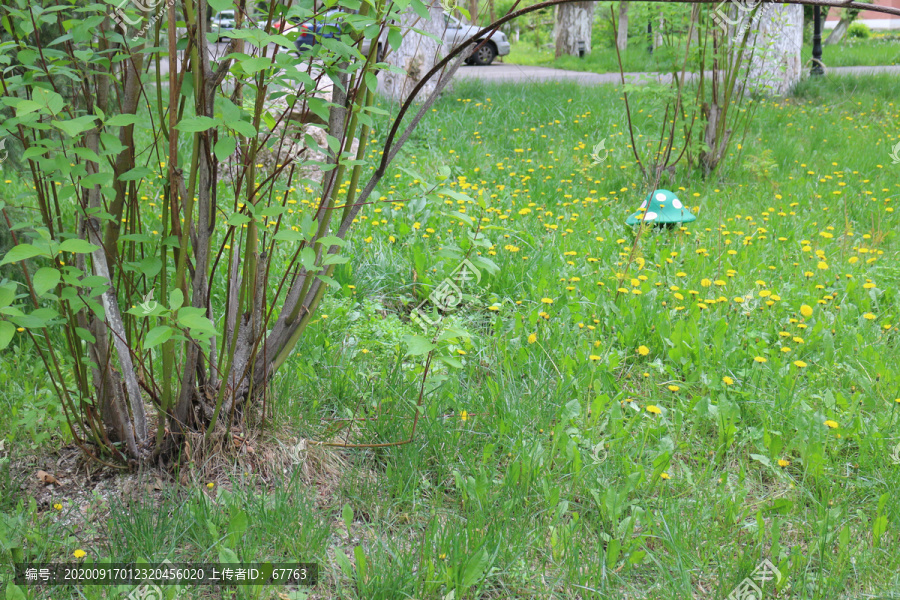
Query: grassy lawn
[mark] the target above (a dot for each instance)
(616, 428)
(884, 50)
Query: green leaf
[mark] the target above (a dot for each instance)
(308, 258)
(244, 128)
(395, 38)
(227, 555)
(417, 345)
(78, 246)
(195, 124)
(7, 331)
(85, 335)
(332, 240)
(238, 219)
(330, 281)
(220, 5)
(176, 299)
(289, 235)
(14, 592)
(347, 516)
(7, 295)
(237, 526)
(360, 556)
(158, 335)
(195, 321)
(45, 279)
(36, 320)
(763, 459)
(21, 252)
(451, 362)
(255, 64)
(73, 127)
(343, 562)
(225, 148)
(612, 553)
(135, 174)
(475, 569)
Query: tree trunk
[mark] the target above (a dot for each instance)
(695, 26)
(573, 28)
(838, 33)
(622, 29)
(416, 56)
(658, 34)
(775, 66)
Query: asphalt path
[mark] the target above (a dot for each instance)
(507, 73)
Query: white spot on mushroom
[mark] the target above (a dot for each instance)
(660, 196)
(644, 204)
(677, 203)
(650, 216)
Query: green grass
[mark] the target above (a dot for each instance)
(884, 50)
(537, 469)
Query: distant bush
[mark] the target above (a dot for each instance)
(859, 30)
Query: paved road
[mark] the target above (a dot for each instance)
(503, 73)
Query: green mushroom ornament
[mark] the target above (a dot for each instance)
(662, 207)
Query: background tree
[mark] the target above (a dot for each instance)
(574, 21)
(418, 53)
(777, 39)
(622, 27)
(848, 15)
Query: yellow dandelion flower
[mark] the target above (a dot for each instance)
(869, 316)
(532, 338)
(806, 310)
(760, 359)
(547, 300)
(79, 553)
(831, 424)
(673, 388)
(653, 409)
(728, 380)
(664, 476)
(643, 350)
(800, 364)
(783, 463)
(464, 416)
(211, 485)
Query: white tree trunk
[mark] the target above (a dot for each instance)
(838, 33)
(622, 27)
(775, 67)
(573, 25)
(416, 56)
(658, 32)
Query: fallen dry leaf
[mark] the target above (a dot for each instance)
(46, 478)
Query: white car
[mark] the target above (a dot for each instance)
(222, 24)
(456, 33)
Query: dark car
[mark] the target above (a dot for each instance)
(331, 25)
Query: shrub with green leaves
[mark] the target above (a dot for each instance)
(163, 274)
(859, 31)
